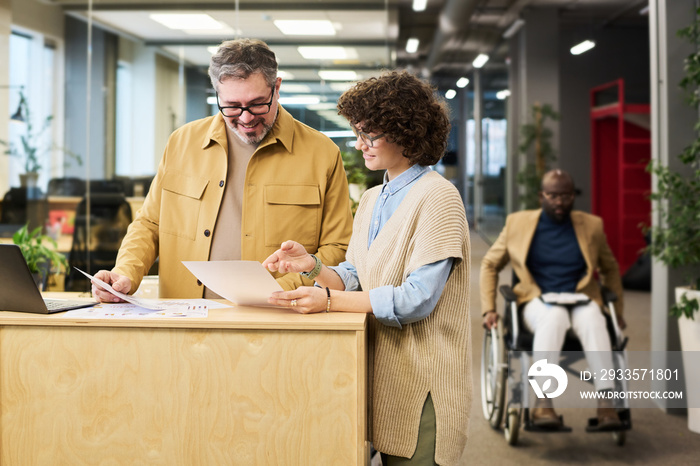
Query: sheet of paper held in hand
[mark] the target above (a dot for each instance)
(565, 298)
(245, 283)
(141, 307)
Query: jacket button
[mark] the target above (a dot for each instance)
(199, 283)
(221, 183)
(207, 233)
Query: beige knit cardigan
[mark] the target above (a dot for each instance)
(432, 355)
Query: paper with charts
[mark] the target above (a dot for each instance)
(153, 304)
(179, 309)
(246, 283)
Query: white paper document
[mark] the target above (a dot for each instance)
(180, 309)
(565, 298)
(245, 283)
(141, 302)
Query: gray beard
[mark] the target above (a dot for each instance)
(248, 139)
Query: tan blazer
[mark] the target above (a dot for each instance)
(513, 244)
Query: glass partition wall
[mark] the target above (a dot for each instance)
(128, 81)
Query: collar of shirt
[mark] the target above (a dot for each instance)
(404, 179)
(390, 198)
(549, 221)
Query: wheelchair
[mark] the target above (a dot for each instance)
(505, 394)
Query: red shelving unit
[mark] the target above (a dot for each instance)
(620, 185)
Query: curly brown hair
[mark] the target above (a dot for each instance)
(404, 108)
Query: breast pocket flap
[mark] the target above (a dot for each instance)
(184, 185)
(294, 195)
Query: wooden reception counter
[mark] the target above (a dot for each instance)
(248, 386)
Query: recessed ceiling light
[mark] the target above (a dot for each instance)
(462, 82)
(296, 88)
(419, 5)
(324, 106)
(340, 133)
(327, 52)
(513, 28)
(211, 100)
(480, 60)
(338, 75)
(292, 27)
(341, 87)
(213, 49)
(186, 21)
(412, 45)
(584, 46)
(501, 95)
(300, 100)
(450, 94)
(285, 75)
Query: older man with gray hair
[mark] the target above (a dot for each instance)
(235, 185)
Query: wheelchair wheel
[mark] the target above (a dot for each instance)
(493, 377)
(512, 427)
(619, 437)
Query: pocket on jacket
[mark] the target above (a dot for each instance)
(180, 202)
(292, 212)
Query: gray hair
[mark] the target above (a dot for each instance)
(240, 58)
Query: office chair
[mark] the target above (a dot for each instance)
(136, 186)
(110, 216)
(24, 205)
(68, 186)
(107, 186)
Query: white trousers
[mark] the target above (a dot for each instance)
(550, 322)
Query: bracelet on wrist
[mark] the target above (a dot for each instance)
(313, 273)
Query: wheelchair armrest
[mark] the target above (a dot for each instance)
(508, 293)
(609, 295)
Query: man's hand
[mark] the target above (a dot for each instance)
(490, 320)
(120, 283)
(621, 322)
(290, 257)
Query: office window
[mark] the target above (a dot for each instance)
(33, 74)
(124, 159)
(493, 146)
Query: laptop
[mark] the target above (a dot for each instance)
(18, 292)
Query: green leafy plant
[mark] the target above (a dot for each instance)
(39, 256)
(676, 241)
(357, 173)
(32, 146)
(536, 145)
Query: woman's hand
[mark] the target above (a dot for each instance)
(290, 257)
(304, 300)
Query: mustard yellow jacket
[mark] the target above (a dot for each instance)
(513, 244)
(295, 189)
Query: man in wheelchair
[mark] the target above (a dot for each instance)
(556, 250)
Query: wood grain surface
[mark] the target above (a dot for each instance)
(152, 396)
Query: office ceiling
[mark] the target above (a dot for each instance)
(373, 33)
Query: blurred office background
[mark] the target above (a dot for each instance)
(96, 87)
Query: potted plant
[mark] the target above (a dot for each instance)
(40, 258)
(536, 137)
(32, 145)
(676, 240)
(359, 176)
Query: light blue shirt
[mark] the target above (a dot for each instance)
(415, 299)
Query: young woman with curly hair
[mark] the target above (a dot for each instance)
(408, 265)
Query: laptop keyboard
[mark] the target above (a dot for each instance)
(55, 304)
